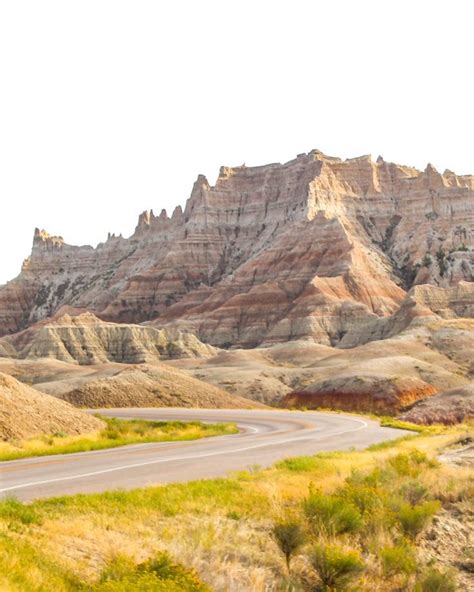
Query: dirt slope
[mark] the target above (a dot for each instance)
(153, 386)
(24, 412)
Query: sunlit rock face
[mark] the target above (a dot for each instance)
(316, 248)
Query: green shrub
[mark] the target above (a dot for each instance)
(332, 514)
(436, 581)
(60, 434)
(111, 434)
(410, 464)
(233, 515)
(399, 559)
(166, 569)
(365, 498)
(159, 574)
(336, 566)
(413, 492)
(119, 568)
(426, 260)
(289, 536)
(378, 478)
(299, 463)
(145, 582)
(414, 519)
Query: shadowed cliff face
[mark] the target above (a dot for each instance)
(317, 247)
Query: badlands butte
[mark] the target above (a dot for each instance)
(320, 282)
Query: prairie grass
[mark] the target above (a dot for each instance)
(117, 432)
(223, 529)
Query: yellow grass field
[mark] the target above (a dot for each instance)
(222, 528)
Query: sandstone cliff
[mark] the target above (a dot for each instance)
(315, 248)
(85, 339)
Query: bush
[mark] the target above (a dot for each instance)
(426, 260)
(332, 514)
(160, 574)
(400, 559)
(376, 479)
(436, 581)
(111, 434)
(410, 465)
(289, 536)
(413, 492)
(414, 519)
(60, 434)
(335, 566)
(364, 497)
(299, 463)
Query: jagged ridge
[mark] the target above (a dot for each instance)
(317, 247)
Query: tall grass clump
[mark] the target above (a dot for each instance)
(289, 536)
(414, 519)
(398, 560)
(434, 580)
(335, 566)
(331, 515)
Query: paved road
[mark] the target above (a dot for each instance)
(265, 437)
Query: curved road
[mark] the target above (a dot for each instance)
(265, 437)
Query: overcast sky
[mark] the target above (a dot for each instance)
(108, 108)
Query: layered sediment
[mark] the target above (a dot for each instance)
(317, 248)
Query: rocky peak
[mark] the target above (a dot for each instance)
(43, 240)
(177, 215)
(145, 218)
(309, 248)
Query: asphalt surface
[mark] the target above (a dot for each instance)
(265, 437)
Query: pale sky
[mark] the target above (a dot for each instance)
(108, 108)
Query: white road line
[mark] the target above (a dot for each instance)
(178, 458)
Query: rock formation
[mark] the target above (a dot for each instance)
(315, 248)
(383, 395)
(386, 375)
(85, 339)
(449, 407)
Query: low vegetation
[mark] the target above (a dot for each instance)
(368, 526)
(334, 521)
(118, 432)
(158, 574)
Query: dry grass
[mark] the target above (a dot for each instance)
(219, 527)
(118, 432)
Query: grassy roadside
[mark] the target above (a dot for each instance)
(117, 432)
(224, 528)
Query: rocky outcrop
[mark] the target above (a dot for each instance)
(25, 412)
(314, 248)
(422, 305)
(436, 353)
(450, 407)
(456, 301)
(383, 395)
(85, 339)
